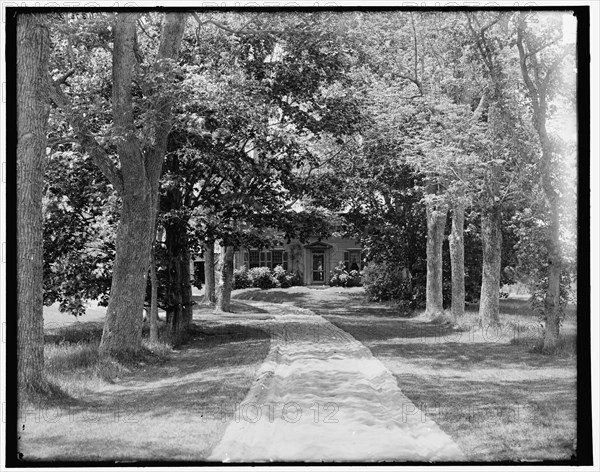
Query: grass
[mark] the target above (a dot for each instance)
(161, 405)
(491, 390)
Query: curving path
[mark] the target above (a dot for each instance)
(320, 395)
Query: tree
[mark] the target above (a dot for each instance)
(137, 177)
(80, 221)
(540, 56)
(248, 125)
(32, 120)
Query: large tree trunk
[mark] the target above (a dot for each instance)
(140, 172)
(123, 323)
(457, 261)
(552, 299)
(186, 288)
(179, 293)
(491, 238)
(552, 307)
(436, 223)
(32, 121)
(226, 280)
(153, 318)
(539, 92)
(209, 271)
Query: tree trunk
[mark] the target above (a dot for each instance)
(32, 120)
(226, 282)
(457, 261)
(154, 298)
(186, 288)
(209, 271)
(491, 238)
(140, 172)
(552, 307)
(436, 223)
(179, 293)
(539, 92)
(123, 323)
(552, 299)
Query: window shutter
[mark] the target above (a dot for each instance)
(346, 259)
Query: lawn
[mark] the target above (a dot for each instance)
(166, 405)
(489, 390)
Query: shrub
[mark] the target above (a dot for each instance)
(297, 279)
(282, 276)
(386, 281)
(262, 277)
(241, 278)
(340, 277)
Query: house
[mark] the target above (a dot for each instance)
(313, 260)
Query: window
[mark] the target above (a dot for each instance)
(269, 259)
(353, 259)
(277, 258)
(254, 259)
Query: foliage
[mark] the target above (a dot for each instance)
(530, 226)
(80, 215)
(283, 277)
(241, 278)
(340, 277)
(385, 281)
(262, 277)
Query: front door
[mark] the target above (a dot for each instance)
(318, 267)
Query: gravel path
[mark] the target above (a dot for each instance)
(320, 395)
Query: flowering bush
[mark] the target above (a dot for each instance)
(284, 278)
(386, 281)
(262, 277)
(340, 277)
(241, 278)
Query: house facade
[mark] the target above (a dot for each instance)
(313, 260)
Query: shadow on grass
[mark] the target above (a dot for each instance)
(208, 371)
(467, 355)
(86, 332)
(272, 296)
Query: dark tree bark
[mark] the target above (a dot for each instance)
(33, 108)
(491, 237)
(209, 271)
(178, 287)
(137, 177)
(457, 261)
(140, 170)
(153, 315)
(538, 92)
(123, 323)
(436, 223)
(186, 288)
(226, 282)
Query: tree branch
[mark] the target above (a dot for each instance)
(240, 31)
(533, 92)
(416, 50)
(85, 138)
(541, 48)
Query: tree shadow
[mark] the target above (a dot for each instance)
(210, 368)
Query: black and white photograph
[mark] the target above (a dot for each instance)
(300, 235)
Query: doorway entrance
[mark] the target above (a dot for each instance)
(318, 267)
